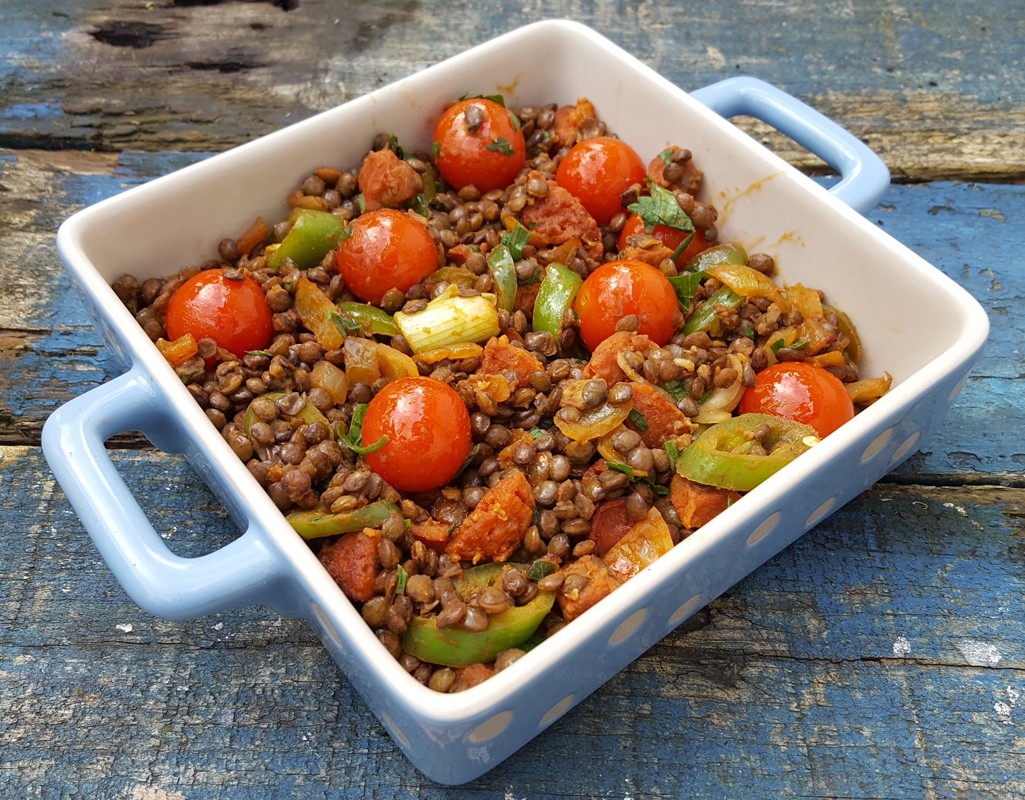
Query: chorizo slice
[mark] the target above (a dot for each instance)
(494, 530)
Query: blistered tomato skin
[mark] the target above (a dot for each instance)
(620, 288)
(597, 171)
(428, 430)
(223, 305)
(478, 143)
(802, 392)
(386, 249)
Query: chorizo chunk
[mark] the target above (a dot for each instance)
(586, 581)
(352, 561)
(500, 357)
(494, 529)
(662, 418)
(604, 361)
(696, 503)
(558, 217)
(387, 181)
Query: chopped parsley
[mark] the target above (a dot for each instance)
(500, 145)
(637, 418)
(353, 438)
(686, 286)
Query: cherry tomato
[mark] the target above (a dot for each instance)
(597, 171)
(222, 305)
(478, 141)
(428, 430)
(386, 249)
(623, 287)
(802, 392)
(670, 237)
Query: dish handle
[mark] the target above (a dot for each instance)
(158, 580)
(863, 175)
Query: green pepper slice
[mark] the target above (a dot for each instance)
(455, 647)
(557, 292)
(378, 321)
(315, 524)
(503, 273)
(721, 456)
(705, 317)
(312, 236)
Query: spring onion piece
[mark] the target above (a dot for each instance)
(558, 290)
(705, 317)
(718, 254)
(318, 523)
(726, 454)
(312, 236)
(368, 317)
(449, 319)
(457, 647)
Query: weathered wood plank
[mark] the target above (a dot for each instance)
(880, 656)
(50, 352)
(937, 89)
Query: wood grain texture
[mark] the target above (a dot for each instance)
(929, 85)
(881, 656)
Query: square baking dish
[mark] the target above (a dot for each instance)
(914, 323)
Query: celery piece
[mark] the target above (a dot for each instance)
(718, 254)
(449, 319)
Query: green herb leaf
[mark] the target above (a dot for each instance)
(401, 576)
(661, 208)
(637, 418)
(749, 332)
(619, 466)
(666, 156)
(686, 286)
(516, 240)
(776, 345)
(540, 569)
(469, 459)
(537, 432)
(673, 452)
(435, 149)
(676, 389)
(354, 438)
(500, 145)
(800, 344)
(393, 143)
(259, 353)
(345, 323)
(494, 98)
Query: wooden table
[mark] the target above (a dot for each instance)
(881, 656)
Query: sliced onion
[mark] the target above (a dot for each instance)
(748, 282)
(721, 402)
(331, 379)
(595, 423)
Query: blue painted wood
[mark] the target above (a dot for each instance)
(880, 656)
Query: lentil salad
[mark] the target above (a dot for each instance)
(583, 457)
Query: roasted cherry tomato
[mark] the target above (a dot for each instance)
(428, 430)
(802, 392)
(597, 171)
(478, 141)
(619, 288)
(223, 305)
(386, 249)
(670, 237)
